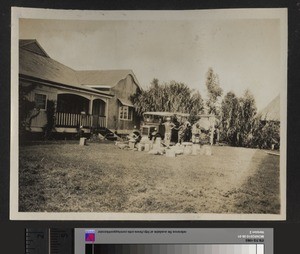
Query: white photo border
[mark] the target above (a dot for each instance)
(35, 13)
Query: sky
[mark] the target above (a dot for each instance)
(245, 53)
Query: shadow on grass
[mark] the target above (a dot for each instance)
(261, 191)
(60, 178)
(102, 178)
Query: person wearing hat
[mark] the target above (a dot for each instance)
(168, 131)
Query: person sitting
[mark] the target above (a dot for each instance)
(154, 134)
(136, 131)
(135, 134)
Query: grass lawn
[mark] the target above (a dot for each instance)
(65, 177)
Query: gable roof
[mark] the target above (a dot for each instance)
(104, 78)
(32, 46)
(47, 69)
(272, 111)
(35, 62)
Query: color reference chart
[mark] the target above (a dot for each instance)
(173, 241)
(174, 249)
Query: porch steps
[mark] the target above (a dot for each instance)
(108, 134)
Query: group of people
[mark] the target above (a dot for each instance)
(185, 131)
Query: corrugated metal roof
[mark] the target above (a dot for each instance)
(272, 111)
(43, 67)
(104, 77)
(37, 66)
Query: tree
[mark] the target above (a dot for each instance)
(247, 119)
(50, 125)
(168, 97)
(179, 96)
(25, 107)
(238, 119)
(152, 99)
(266, 134)
(230, 117)
(214, 92)
(196, 106)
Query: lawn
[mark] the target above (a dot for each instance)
(65, 177)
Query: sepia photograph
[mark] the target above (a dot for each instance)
(148, 115)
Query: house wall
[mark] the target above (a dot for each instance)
(123, 90)
(40, 120)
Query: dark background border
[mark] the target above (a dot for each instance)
(286, 235)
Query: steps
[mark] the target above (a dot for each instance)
(108, 134)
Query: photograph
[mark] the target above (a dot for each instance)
(148, 115)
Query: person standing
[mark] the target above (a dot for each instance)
(196, 133)
(168, 131)
(182, 131)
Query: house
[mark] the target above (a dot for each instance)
(270, 121)
(77, 104)
(121, 84)
(272, 111)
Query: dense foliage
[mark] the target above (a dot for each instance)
(237, 118)
(242, 126)
(25, 108)
(230, 117)
(266, 134)
(50, 125)
(168, 97)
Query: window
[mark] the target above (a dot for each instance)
(125, 113)
(40, 101)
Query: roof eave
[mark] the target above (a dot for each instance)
(58, 85)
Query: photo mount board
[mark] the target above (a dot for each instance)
(236, 14)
